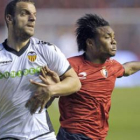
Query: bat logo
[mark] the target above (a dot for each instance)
(32, 56)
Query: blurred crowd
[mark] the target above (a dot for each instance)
(70, 4)
(87, 3)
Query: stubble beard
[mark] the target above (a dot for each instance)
(21, 34)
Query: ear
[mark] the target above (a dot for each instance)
(90, 42)
(9, 19)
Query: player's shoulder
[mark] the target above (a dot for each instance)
(1, 47)
(113, 61)
(79, 57)
(41, 44)
(76, 59)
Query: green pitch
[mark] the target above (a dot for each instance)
(124, 122)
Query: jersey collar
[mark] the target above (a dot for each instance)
(18, 53)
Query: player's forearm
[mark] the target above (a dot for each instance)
(131, 67)
(66, 87)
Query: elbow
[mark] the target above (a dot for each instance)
(78, 87)
(126, 74)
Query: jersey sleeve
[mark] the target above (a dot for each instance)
(74, 63)
(119, 69)
(55, 59)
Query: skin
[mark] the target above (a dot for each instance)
(21, 26)
(49, 78)
(53, 87)
(102, 47)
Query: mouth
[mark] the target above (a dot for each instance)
(31, 26)
(114, 50)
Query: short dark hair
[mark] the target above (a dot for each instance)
(11, 7)
(86, 28)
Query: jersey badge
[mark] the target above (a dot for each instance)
(32, 56)
(82, 75)
(104, 72)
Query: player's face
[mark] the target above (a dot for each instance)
(105, 42)
(24, 20)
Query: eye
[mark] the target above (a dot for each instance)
(23, 13)
(107, 37)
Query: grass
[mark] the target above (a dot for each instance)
(124, 121)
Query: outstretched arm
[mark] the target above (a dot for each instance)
(131, 67)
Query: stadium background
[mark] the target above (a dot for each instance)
(56, 24)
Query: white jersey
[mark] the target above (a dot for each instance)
(16, 68)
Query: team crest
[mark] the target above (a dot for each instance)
(32, 56)
(104, 72)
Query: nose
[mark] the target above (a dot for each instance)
(113, 41)
(32, 17)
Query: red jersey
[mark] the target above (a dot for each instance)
(87, 111)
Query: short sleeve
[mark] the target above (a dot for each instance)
(55, 59)
(74, 63)
(119, 69)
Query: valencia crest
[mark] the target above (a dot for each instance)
(32, 56)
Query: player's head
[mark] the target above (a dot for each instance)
(21, 15)
(92, 32)
(86, 28)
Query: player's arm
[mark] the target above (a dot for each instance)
(69, 84)
(53, 87)
(131, 67)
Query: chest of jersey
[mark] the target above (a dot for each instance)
(15, 73)
(13, 66)
(97, 81)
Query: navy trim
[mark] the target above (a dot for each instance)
(66, 70)
(49, 125)
(49, 122)
(40, 135)
(18, 53)
(9, 138)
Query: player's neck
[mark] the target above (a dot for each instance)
(16, 44)
(94, 59)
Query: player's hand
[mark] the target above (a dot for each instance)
(48, 76)
(39, 99)
(43, 93)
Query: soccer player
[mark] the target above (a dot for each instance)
(84, 115)
(21, 58)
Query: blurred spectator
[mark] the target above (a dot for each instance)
(2, 8)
